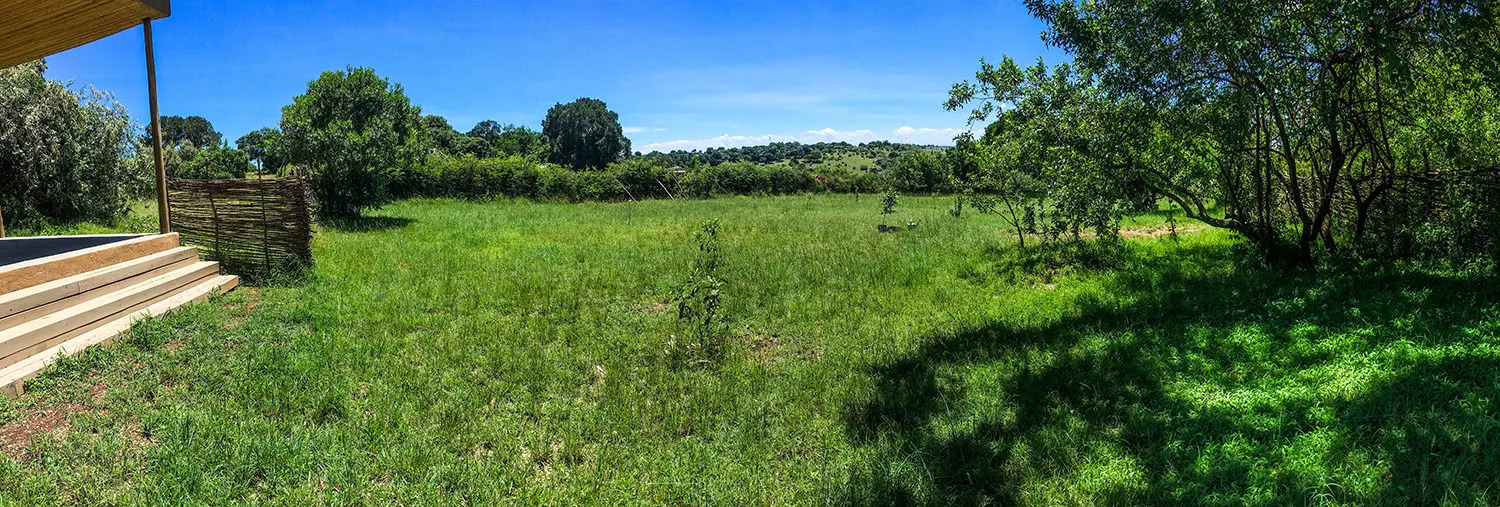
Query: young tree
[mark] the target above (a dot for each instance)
(584, 134)
(354, 131)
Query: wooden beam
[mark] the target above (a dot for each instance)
(32, 29)
(161, 164)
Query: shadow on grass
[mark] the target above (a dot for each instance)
(1192, 381)
(364, 223)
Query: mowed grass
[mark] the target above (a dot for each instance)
(446, 352)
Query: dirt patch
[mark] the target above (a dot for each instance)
(16, 437)
(252, 299)
(770, 349)
(233, 322)
(1157, 232)
(654, 308)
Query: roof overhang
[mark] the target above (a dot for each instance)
(32, 29)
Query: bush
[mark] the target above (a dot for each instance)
(357, 133)
(919, 171)
(65, 155)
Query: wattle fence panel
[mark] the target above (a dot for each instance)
(260, 229)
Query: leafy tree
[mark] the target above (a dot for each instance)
(522, 141)
(65, 154)
(1295, 120)
(261, 145)
(220, 162)
(195, 129)
(919, 171)
(355, 132)
(445, 139)
(492, 139)
(584, 134)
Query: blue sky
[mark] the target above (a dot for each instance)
(680, 74)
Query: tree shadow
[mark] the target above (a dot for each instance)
(1173, 387)
(365, 223)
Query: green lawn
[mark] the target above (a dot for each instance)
(448, 352)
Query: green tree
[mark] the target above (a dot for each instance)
(445, 139)
(261, 146)
(584, 134)
(919, 171)
(219, 162)
(354, 131)
(195, 129)
(1296, 122)
(65, 154)
(483, 138)
(522, 141)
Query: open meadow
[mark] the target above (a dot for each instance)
(453, 352)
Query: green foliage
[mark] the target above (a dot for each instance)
(699, 302)
(887, 205)
(65, 155)
(470, 177)
(192, 129)
(584, 134)
(355, 132)
(445, 139)
(922, 171)
(262, 146)
(1291, 128)
(875, 155)
(216, 163)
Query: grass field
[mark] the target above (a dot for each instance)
(446, 352)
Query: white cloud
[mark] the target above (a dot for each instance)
(637, 130)
(904, 134)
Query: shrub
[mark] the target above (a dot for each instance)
(65, 155)
(356, 132)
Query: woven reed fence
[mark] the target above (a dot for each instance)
(256, 228)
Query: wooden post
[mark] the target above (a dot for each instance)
(2, 225)
(161, 163)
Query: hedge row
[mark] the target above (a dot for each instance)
(468, 177)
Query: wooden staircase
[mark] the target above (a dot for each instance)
(63, 303)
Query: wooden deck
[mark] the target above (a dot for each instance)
(63, 302)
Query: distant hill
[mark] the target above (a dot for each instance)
(872, 155)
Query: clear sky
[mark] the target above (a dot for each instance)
(681, 74)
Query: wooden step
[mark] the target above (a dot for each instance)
(22, 341)
(13, 377)
(27, 304)
(14, 277)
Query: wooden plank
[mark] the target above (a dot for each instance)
(84, 297)
(32, 29)
(13, 377)
(32, 298)
(14, 277)
(79, 318)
